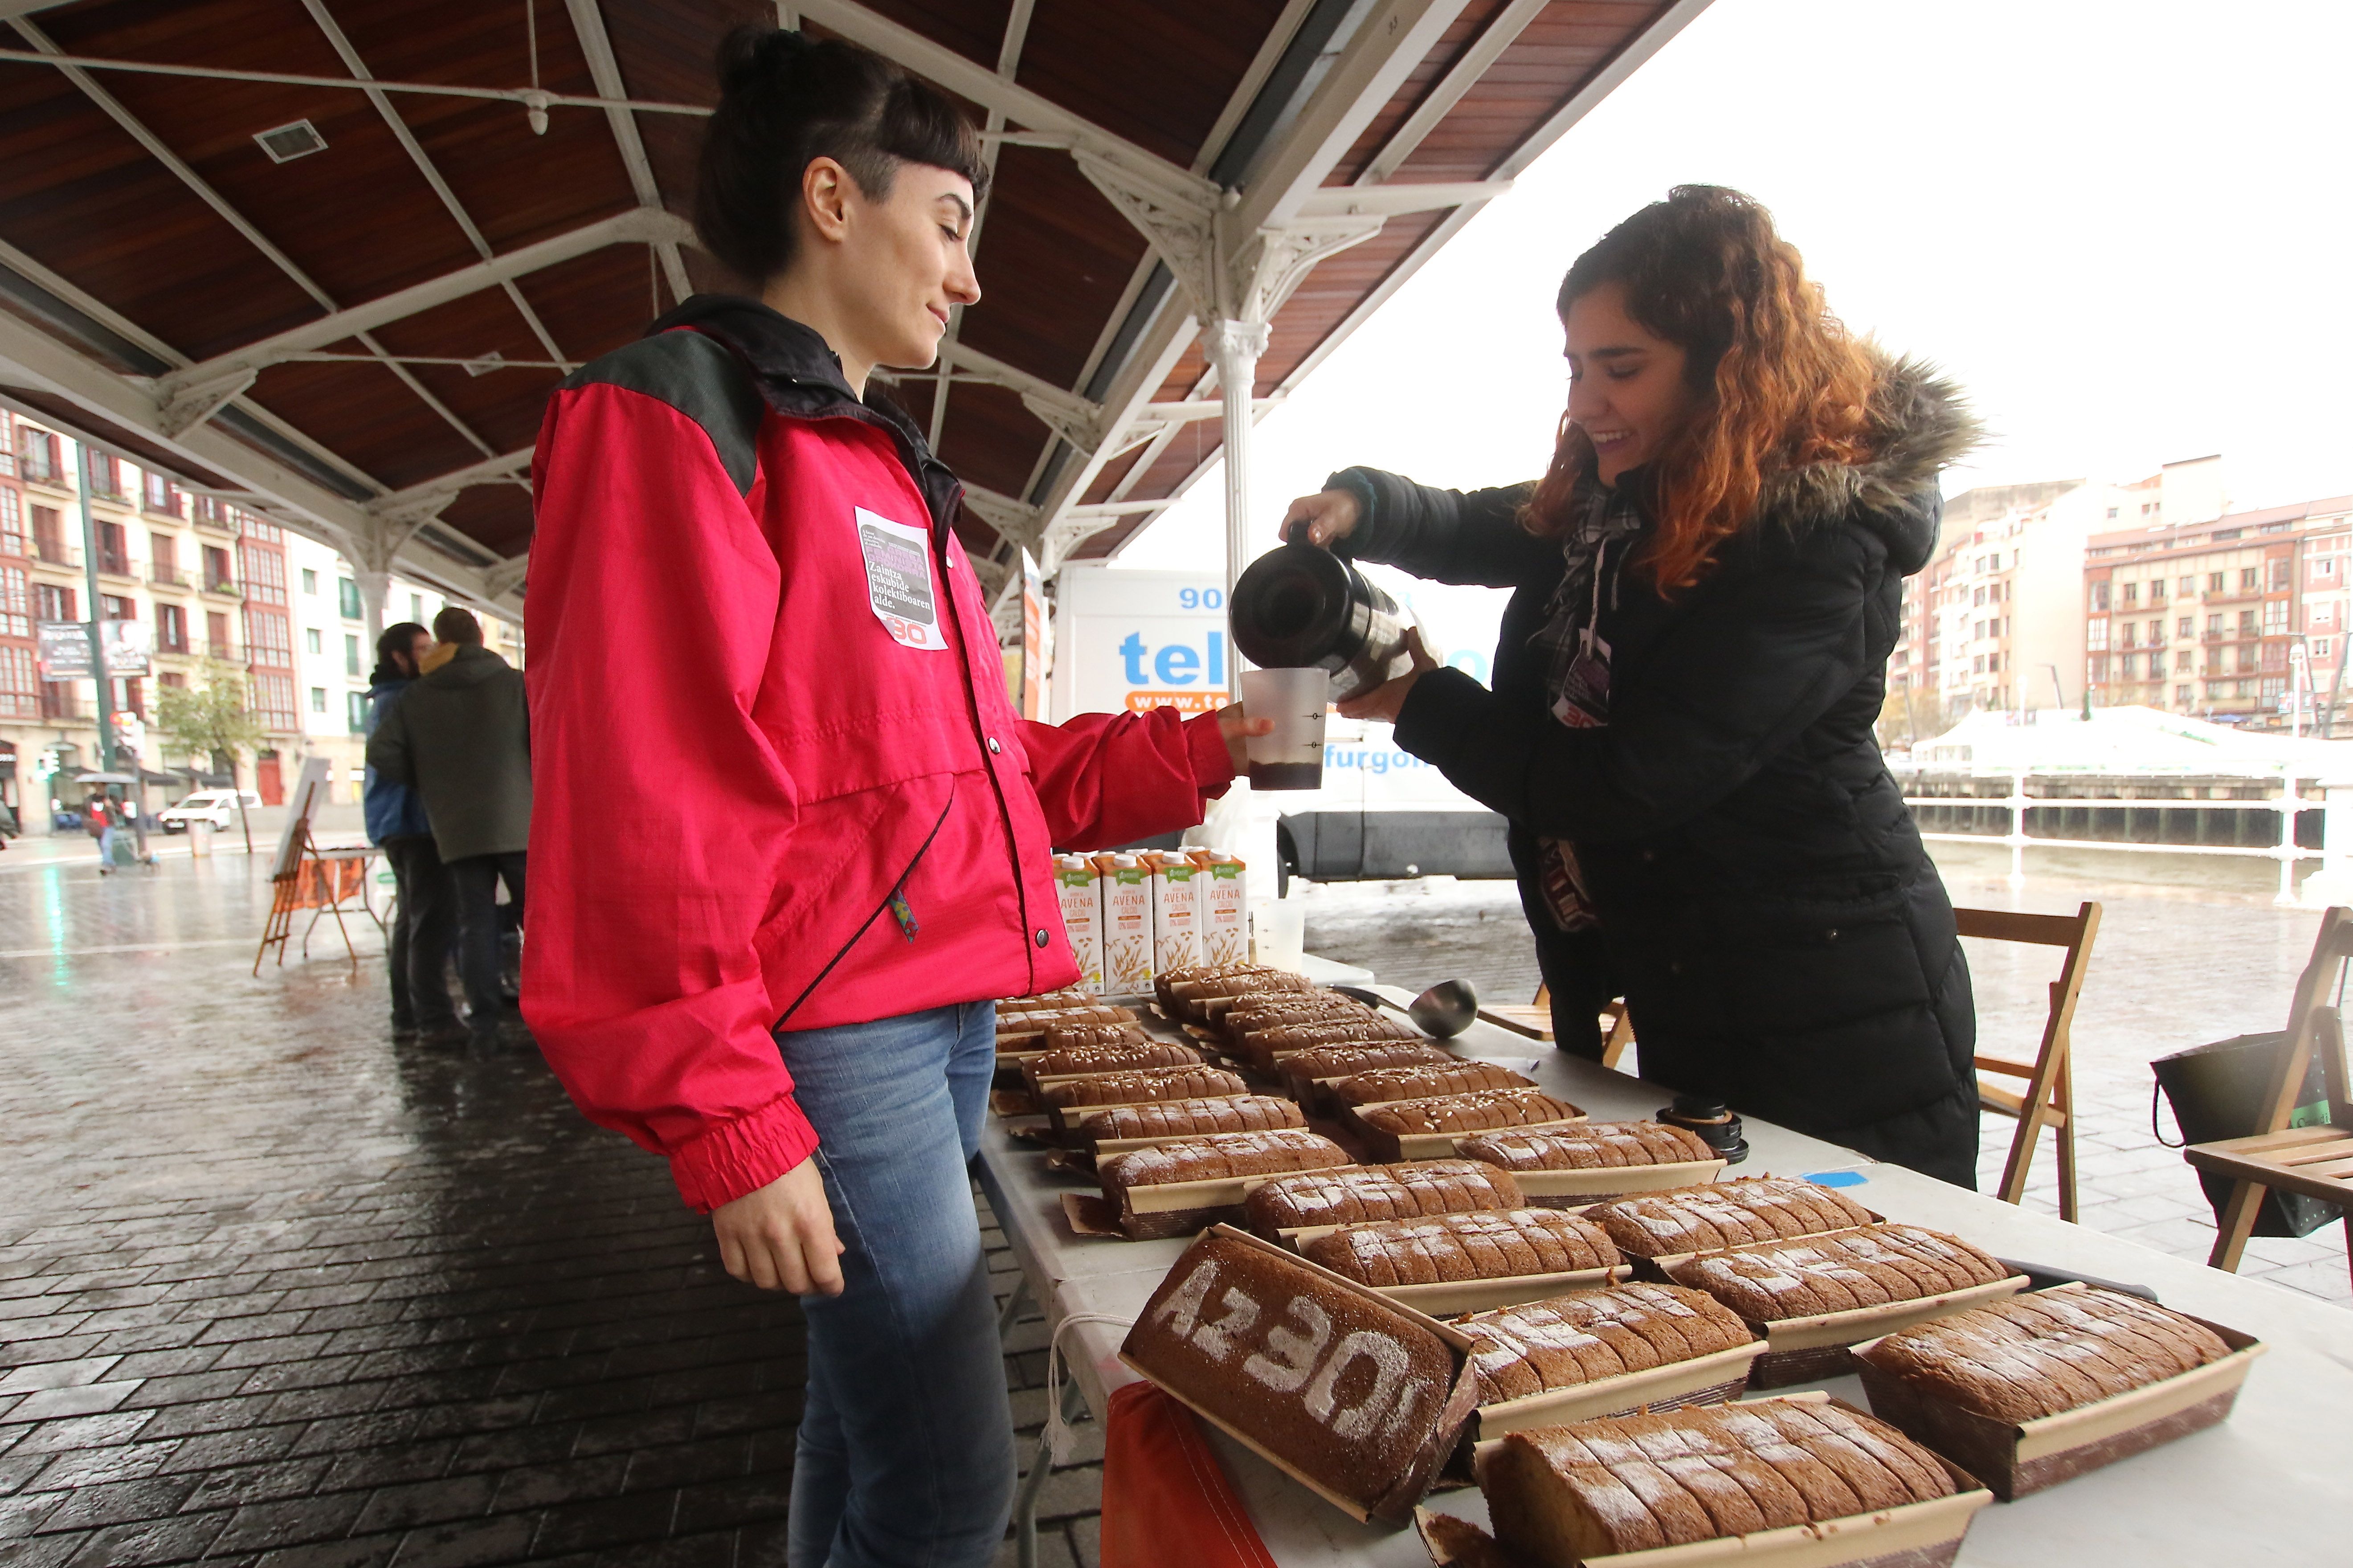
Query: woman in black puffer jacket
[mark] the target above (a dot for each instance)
(1706, 586)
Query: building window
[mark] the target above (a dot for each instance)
(2156, 591)
(2214, 583)
(273, 699)
(355, 711)
(2181, 695)
(309, 580)
(2248, 579)
(2130, 631)
(2182, 627)
(2275, 617)
(218, 576)
(15, 603)
(2246, 623)
(265, 638)
(318, 699)
(2132, 593)
(2095, 635)
(2279, 574)
(2321, 646)
(2099, 596)
(2112, 512)
(310, 642)
(216, 643)
(351, 655)
(347, 595)
(12, 523)
(113, 607)
(2183, 659)
(36, 455)
(51, 602)
(171, 630)
(417, 608)
(19, 687)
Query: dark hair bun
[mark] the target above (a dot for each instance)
(785, 100)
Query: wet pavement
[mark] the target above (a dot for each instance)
(274, 1292)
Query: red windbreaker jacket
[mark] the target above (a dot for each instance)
(778, 780)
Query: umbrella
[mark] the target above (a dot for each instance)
(89, 778)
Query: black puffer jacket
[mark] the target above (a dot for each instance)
(1767, 909)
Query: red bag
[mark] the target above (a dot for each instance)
(1165, 1499)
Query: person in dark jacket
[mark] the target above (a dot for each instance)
(424, 923)
(1706, 585)
(461, 737)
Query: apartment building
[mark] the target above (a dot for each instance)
(2212, 617)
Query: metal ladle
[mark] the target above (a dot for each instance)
(1446, 1009)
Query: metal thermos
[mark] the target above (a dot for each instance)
(1301, 608)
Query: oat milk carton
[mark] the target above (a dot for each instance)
(1176, 911)
(1126, 885)
(1081, 896)
(1223, 890)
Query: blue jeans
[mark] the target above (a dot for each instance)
(906, 1453)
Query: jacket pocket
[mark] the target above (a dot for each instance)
(892, 893)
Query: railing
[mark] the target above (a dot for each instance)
(216, 518)
(60, 705)
(165, 575)
(221, 650)
(55, 553)
(171, 645)
(224, 586)
(112, 565)
(2287, 804)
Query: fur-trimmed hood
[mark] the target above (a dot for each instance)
(1921, 424)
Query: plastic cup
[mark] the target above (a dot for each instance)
(1282, 933)
(1293, 756)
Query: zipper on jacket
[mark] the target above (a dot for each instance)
(897, 897)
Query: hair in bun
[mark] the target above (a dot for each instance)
(785, 100)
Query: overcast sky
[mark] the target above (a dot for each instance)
(2122, 225)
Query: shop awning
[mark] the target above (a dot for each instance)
(327, 257)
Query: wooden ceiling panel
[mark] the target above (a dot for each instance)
(364, 414)
(595, 303)
(1055, 258)
(503, 407)
(516, 185)
(496, 516)
(357, 217)
(973, 29)
(1557, 52)
(1459, 38)
(81, 197)
(990, 439)
(1157, 74)
(666, 53)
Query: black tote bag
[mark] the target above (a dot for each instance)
(2216, 1091)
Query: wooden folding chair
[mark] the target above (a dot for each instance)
(1535, 1020)
(2048, 1099)
(2317, 1161)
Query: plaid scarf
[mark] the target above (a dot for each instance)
(1609, 517)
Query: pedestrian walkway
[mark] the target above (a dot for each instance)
(275, 1293)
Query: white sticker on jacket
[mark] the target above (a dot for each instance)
(898, 580)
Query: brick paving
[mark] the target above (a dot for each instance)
(277, 1295)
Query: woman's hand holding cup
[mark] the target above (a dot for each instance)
(1327, 514)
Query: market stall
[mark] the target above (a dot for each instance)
(2277, 1472)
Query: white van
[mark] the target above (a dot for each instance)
(217, 806)
(1125, 641)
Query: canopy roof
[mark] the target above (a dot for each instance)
(357, 341)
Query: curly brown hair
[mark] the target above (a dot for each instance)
(1779, 381)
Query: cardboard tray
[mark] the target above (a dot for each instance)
(1453, 1296)
(1397, 1506)
(1806, 1350)
(1566, 1189)
(2021, 1457)
(1655, 1266)
(1163, 1209)
(1056, 1114)
(1914, 1535)
(1710, 1379)
(1389, 1147)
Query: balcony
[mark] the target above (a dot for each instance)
(56, 552)
(109, 565)
(163, 574)
(60, 704)
(222, 651)
(216, 519)
(165, 643)
(224, 586)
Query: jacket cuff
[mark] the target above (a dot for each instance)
(743, 1155)
(1358, 482)
(1431, 724)
(1205, 747)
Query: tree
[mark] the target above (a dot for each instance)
(213, 722)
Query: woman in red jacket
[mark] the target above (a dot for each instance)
(789, 836)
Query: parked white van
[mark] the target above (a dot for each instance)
(217, 806)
